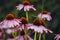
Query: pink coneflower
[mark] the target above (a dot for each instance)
(45, 15)
(10, 22)
(26, 5)
(57, 37)
(24, 23)
(39, 26)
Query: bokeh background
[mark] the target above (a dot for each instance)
(53, 6)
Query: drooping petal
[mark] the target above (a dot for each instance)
(50, 31)
(21, 27)
(45, 16)
(31, 27)
(5, 24)
(28, 7)
(33, 8)
(45, 29)
(15, 23)
(17, 20)
(20, 6)
(57, 37)
(10, 24)
(40, 15)
(25, 8)
(40, 29)
(48, 17)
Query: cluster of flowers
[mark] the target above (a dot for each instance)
(11, 24)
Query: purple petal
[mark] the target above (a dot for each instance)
(20, 6)
(25, 8)
(33, 8)
(19, 38)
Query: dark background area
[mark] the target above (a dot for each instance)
(9, 6)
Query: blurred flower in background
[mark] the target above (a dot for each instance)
(39, 26)
(26, 5)
(57, 37)
(45, 15)
(24, 23)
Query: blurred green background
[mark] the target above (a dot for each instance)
(9, 6)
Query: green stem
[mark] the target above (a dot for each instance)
(43, 4)
(13, 34)
(25, 30)
(25, 33)
(40, 36)
(27, 15)
(35, 36)
(43, 36)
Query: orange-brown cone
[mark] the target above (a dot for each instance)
(9, 16)
(38, 22)
(26, 2)
(23, 20)
(44, 12)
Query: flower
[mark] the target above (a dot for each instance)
(10, 22)
(57, 37)
(24, 23)
(45, 15)
(26, 5)
(39, 26)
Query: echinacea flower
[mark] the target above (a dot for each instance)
(57, 37)
(10, 22)
(38, 26)
(45, 15)
(24, 23)
(26, 5)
